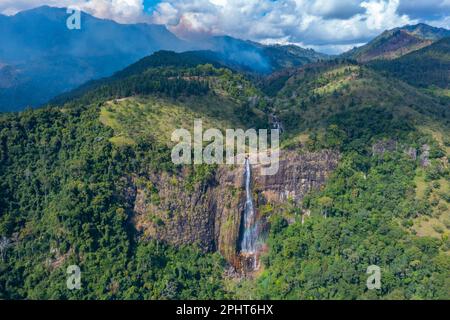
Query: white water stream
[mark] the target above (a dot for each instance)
(251, 232)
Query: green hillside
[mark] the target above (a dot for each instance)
(374, 210)
(64, 179)
(316, 95)
(290, 56)
(67, 174)
(397, 42)
(426, 68)
(64, 202)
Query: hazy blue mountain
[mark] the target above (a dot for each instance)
(160, 59)
(258, 57)
(266, 59)
(40, 58)
(44, 58)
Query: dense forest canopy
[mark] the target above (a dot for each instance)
(65, 172)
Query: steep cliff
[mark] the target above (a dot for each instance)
(210, 215)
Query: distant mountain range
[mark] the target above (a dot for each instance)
(89, 180)
(397, 42)
(41, 58)
(256, 57)
(137, 70)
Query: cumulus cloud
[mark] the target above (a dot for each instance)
(313, 22)
(336, 9)
(333, 25)
(425, 9)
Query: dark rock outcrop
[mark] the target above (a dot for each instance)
(411, 152)
(425, 155)
(383, 146)
(210, 214)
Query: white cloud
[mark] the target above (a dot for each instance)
(442, 23)
(336, 9)
(313, 22)
(125, 11)
(333, 24)
(120, 10)
(425, 9)
(383, 14)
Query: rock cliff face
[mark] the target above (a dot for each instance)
(210, 213)
(298, 174)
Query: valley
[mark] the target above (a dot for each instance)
(362, 179)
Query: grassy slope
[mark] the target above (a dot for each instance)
(425, 68)
(389, 45)
(314, 98)
(397, 42)
(311, 99)
(315, 95)
(156, 118)
(226, 105)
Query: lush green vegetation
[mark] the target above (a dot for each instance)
(66, 181)
(424, 68)
(314, 94)
(360, 219)
(371, 212)
(63, 203)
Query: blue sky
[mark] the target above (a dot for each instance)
(326, 25)
(149, 5)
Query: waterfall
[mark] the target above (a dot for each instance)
(276, 123)
(250, 234)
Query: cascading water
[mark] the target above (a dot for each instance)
(250, 231)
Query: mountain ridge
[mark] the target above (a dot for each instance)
(425, 68)
(397, 42)
(50, 59)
